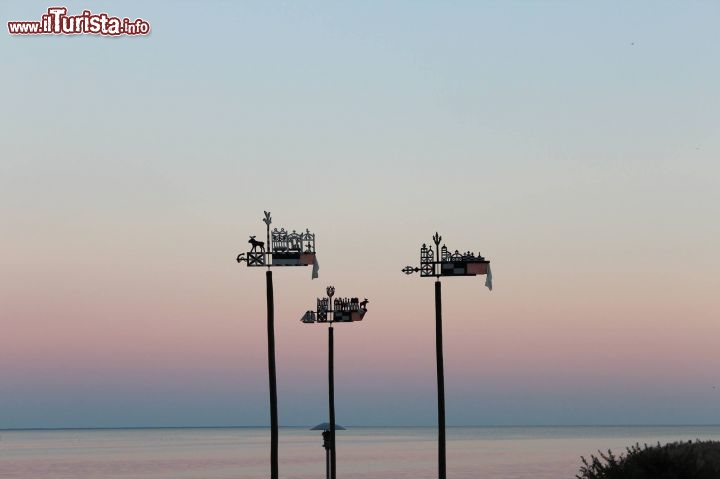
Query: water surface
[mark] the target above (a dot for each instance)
(363, 453)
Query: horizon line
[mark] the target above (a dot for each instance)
(106, 428)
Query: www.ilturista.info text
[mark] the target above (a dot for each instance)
(57, 22)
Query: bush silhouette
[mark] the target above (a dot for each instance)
(676, 460)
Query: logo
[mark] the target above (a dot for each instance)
(57, 22)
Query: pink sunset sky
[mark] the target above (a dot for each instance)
(574, 146)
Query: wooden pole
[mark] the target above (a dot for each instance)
(331, 400)
(440, 380)
(272, 376)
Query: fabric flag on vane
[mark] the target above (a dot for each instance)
(488, 278)
(316, 267)
(481, 268)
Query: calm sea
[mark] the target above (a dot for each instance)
(367, 453)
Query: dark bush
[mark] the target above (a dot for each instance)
(677, 460)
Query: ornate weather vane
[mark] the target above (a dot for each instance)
(279, 249)
(329, 311)
(436, 263)
(282, 248)
(340, 310)
(441, 262)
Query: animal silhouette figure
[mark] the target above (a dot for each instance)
(363, 304)
(255, 243)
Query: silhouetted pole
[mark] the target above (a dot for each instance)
(348, 310)
(331, 401)
(271, 374)
(280, 249)
(441, 262)
(440, 380)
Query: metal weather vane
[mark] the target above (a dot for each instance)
(282, 248)
(339, 310)
(330, 311)
(441, 262)
(279, 249)
(437, 263)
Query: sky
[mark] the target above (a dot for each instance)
(573, 144)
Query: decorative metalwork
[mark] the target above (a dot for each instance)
(284, 242)
(439, 261)
(282, 248)
(334, 310)
(290, 250)
(338, 310)
(322, 309)
(255, 244)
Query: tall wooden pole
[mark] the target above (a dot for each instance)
(331, 400)
(449, 265)
(271, 373)
(440, 380)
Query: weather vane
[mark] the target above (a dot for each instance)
(329, 311)
(280, 249)
(439, 262)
